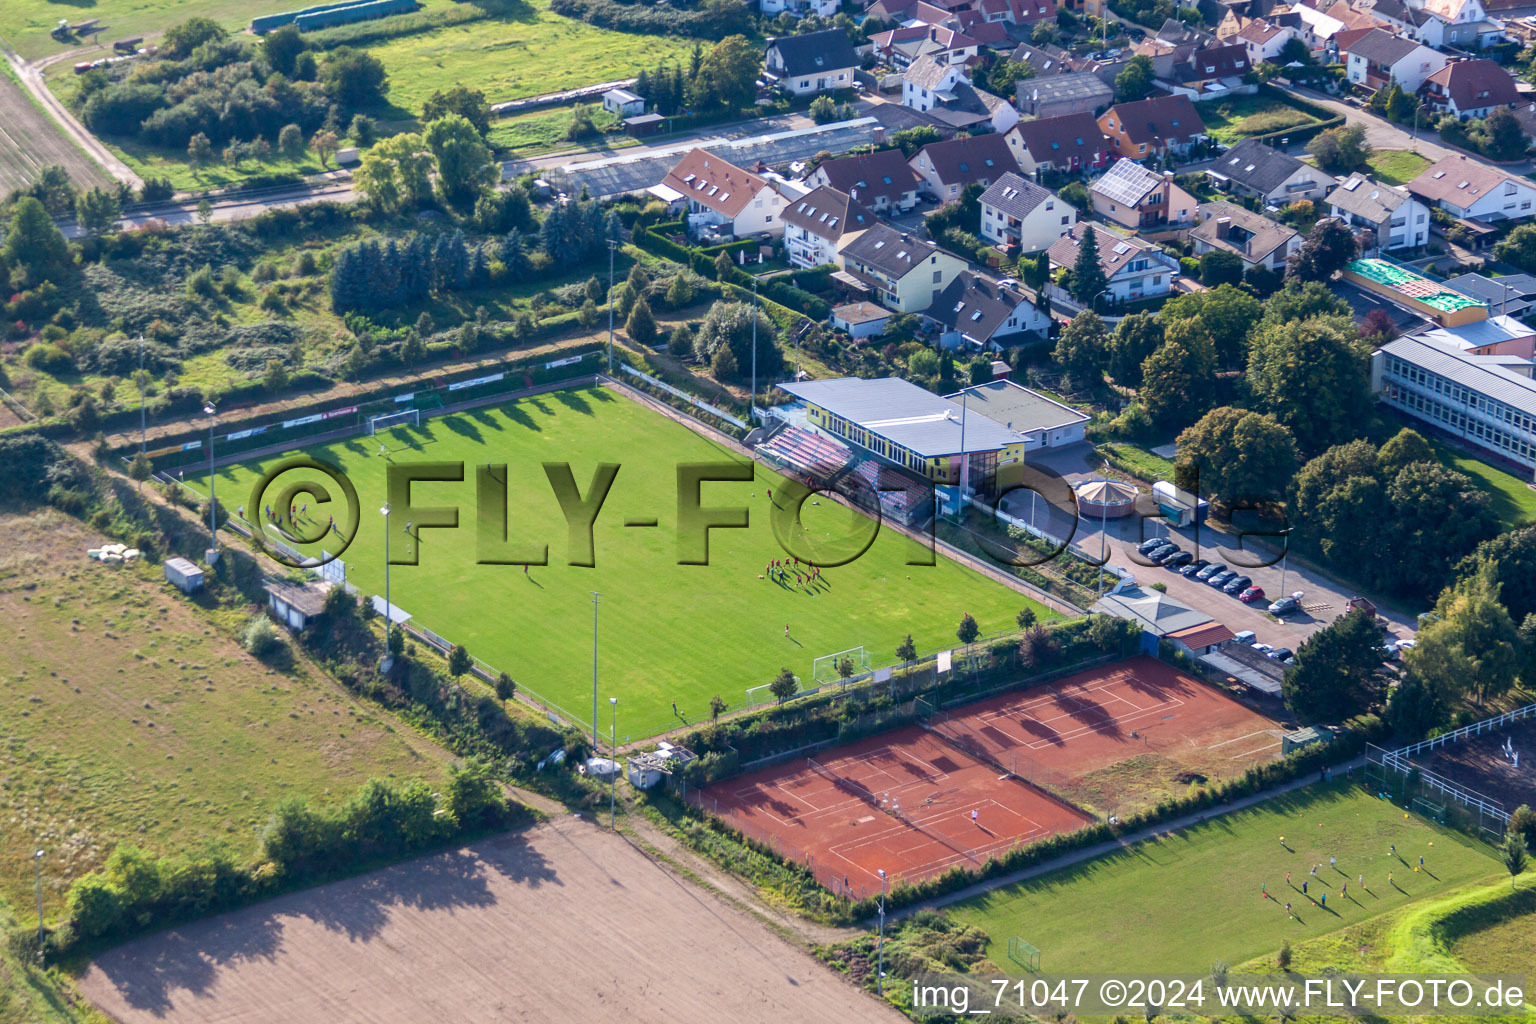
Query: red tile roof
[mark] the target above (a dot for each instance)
(715, 183)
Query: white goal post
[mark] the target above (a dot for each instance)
(393, 419)
(825, 670)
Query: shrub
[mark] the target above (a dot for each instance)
(48, 359)
(260, 638)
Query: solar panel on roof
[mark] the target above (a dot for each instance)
(1122, 248)
(1351, 184)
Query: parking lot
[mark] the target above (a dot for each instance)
(1323, 599)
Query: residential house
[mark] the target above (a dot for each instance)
(820, 223)
(945, 92)
(1046, 59)
(978, 312)
(902, 46)
(799, 8)
(903, 272)
(881, 181)
(1017, 12)
(721, 195)
(926, 83)
(813, 62)
(1469, 88)
(1264, 38)
(1395, 219)
(1058, 95)
(1379, 58)
(1396, 16)
(1512, 294)
(1132, 196)
(1251, 168)
(1460, 24)
(1152, 127)
(1016, 212)
(1210, 73)
(1251, 237)
(1321, 22)
(948, 167)
(1472, 190)
(623, 103)
(1135, 269)
(860, 319)
(1070, 142)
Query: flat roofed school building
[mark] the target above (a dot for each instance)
(915, 429)
(1430, 299)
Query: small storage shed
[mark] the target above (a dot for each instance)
(296, 605)
(186, 576)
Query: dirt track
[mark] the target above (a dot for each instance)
(566, 922)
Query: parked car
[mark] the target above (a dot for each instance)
(1251, 595)
(1262, 648)
(1286, 605)
(1406, 645)
(1193, 567)
(1151, 543)
(1237, 586)
(1210, 570)
(1180, 558)
(1160, 552)
(1221, 578)
(1281, 653)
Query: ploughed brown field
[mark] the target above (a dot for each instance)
(563, 922)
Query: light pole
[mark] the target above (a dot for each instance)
(143, 419)
(752, 402)
(213, 526)
(1413, 140)
(880, 961)
(388, 608)
(37, 858)
(613, 748)
(595, 598)
(1103, 528)
(612, 245)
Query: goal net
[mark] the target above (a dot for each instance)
(764, 694)
(842, 667)
(394, 419)
(1023, 954)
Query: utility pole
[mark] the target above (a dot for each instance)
(612, 245)
(752, 402)
(1103, 528)
(613, 749)
(213, 526)
(388, 608)
(143, 420)
(595, 597)
(880, 964)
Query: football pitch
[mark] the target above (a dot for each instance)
(666, 632)
(1189, 899)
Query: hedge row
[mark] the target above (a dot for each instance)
(654, 239)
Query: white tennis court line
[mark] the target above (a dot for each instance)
(790, 789)
(988, 807)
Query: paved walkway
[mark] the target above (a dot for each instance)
(1124, 842)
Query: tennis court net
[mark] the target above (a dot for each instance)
(860, 790)
(964, 741)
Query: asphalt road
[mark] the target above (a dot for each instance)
(242, 206)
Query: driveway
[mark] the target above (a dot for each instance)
(1323, 600)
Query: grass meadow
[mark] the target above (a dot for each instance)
(668, 632)
(1191, 898)
(1231, 121)
(129, 715)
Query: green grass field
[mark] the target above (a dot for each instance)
(1185, 901)
(1396, 166)
(1230, 121)
(670, 632)
(128, 716)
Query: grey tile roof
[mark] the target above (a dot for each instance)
(815, 53)
(927, 73)
(1382, 48)
(1257, 166)
(1363, 197)
(975, 306)
(902, 412)
(1482, 374)
(1250, 235)
(1079, 85)
(1015, 196)
(889, 251)
(870, 176)
(1512, 294)
(828, 213)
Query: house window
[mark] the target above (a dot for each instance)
(938, 276)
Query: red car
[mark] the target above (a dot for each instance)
(1251, 595)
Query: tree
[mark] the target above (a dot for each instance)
(1135, 81)
(291, 142)
(1300, 300)
(641, 325)
(783, 686)
(1405, 447)
(723, 364)
(468, 103)
(728, 74)
(1087, 281)
(1229, 315)
(1438, 516)
(1037, 646)
(412, 350)
(729, 325)
(1134, 339)
(97, 211)
(281, 48)
(464, 162)
(458, 661)
(1081, 349)
(1471, 646)
(199, 152)
(1519, 248)
(1243, 456)
(717, 707)
(363, 130)
(845, 669)
(396, 641)
(34, 247)
(724, 267)
(354, 78)
(325, 144)
(907, 650)
(1312, 376)
(1328, 247)
(1503, 138)
(204, 212)
(395, 173)
(1338, 672)
(1177, 380)
(969, 630)
(1283, 959)
(1513, 851)
(1400, 105)
(1025, 618)
(180, 40)
(1219, 267)
(1511, 559)
(140, 469)
(1523, 822)
(679, 292)
(680, 342)
(1342, 149)
(1004, 77)
(823, 109)
(275, 377)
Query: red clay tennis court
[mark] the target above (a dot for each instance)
(903, 800)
